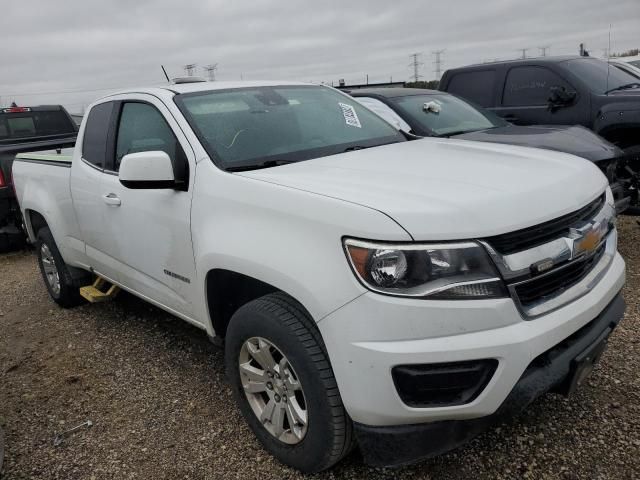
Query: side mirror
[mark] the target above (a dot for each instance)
(560, 97)
(147, 170)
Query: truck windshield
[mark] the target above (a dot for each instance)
(258, 127)
(598, 75)
(443, 114)
(35, 123)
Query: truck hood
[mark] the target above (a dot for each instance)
(443, 189)
(574, 140)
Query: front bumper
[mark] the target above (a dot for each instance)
(398, 445)
(370, 335)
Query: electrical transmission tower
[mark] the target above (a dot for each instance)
(211, 71)
(190, 69)
(524, 52)
(416, 65)
(438, 62)
(544, 50)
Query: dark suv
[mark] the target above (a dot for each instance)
(568, 90)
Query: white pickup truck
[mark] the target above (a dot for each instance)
(398, 295)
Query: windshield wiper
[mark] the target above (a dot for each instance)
(461, 132)
(257, 166)
(627, 86)
(354, 147)
(362, 147)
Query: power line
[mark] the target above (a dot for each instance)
(416, 65)
(438, 62)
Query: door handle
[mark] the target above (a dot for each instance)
(112, 199)
(510, 117)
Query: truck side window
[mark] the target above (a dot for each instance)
(476, 86)
(142, 128)
(530, 86)
(94, 144)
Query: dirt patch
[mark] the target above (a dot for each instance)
(155, 390)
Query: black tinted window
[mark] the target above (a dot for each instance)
(35, 123)
(142, 128)
(94, 144)
(474, 86)
(530, 86)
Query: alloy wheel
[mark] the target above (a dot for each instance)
(273, 390)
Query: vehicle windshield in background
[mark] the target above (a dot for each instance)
(600, 76)
(443, 115)
(35, 123)
(264, 126)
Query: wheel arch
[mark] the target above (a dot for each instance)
(226, 291)
(34, 221)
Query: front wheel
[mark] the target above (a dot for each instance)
(284, 385)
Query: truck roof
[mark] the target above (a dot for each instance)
(170, 90)
(551, 59)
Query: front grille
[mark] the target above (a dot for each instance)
(530, 237)
(552, 284)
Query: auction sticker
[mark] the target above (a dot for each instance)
(350, 115)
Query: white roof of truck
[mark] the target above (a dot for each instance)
(170, 90)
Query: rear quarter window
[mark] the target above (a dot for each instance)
(94, 142)
(477, 86)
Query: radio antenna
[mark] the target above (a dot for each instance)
(165, 74)
(608, 60)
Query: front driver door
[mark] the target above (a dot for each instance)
(149, 230)
(525, 98)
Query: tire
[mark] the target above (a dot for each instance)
(284, 327)
(55, 272)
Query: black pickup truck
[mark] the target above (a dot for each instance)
(570, 90)
(23, 129)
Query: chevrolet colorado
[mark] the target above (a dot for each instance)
(398, 295)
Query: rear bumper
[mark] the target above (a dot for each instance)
(403, 444)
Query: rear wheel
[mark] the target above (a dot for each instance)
(55, 272)
(284, 385)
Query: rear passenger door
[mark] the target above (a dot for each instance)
(86, 186)
(525, 98)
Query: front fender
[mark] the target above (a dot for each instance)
(288, 238)
(617, 115)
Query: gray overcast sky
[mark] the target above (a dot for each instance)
(81, 45)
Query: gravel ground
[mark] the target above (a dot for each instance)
(154, 388)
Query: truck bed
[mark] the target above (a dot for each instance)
(62, 156)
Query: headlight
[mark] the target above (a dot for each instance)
(434, 271)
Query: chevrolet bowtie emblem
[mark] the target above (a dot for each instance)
(588, 241)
